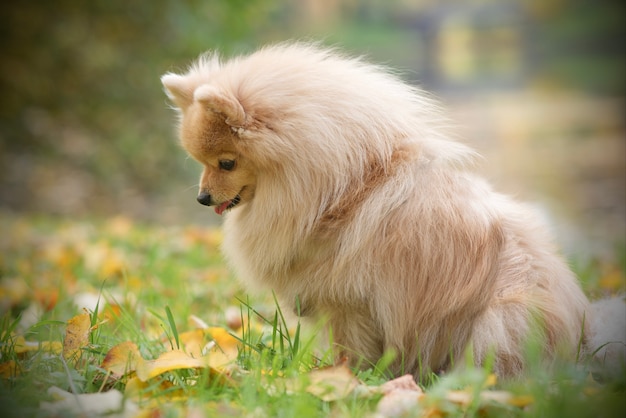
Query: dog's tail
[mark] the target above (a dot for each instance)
(607, 340)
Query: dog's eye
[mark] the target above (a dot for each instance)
(227, 165)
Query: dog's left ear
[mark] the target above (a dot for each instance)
(223, 103)
(179, 89)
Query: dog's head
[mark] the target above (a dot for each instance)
(299, 128)
(211, 125)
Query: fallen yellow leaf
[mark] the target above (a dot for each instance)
(62, 256)
(612, 281)
(20, 345)
(193, 342)
(120, 226)
(521, 401)
(492, 379)
(226, 347)
(105, 261)
(433, 412)
(137, 389)
(461, 397)
(464, 398)
(121, 359)
(223, 338)
(9, 369)
(217, 340)
(76, 335)
(211, 348)
(170, 360)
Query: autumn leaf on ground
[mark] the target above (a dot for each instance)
(76, 335)
(9, 369)
(20, 345)
(125, 358)
(223, 338)
(406, 382)
(104, 260)
(401, 395)
(466, 397)
(193, 342)
(138, 390)
(46, 297)
(168, 361)
(121, 359)
(216, 342)
(613, 281)
(332, 383)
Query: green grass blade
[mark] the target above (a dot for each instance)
(170, 319)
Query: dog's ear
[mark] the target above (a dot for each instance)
(224, 104)
(179, 89)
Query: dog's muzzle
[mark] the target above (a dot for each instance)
(205, 199)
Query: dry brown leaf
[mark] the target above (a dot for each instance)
(402, 395)
(76, 335)
(332, 383)
(399, 402)
(406, 382)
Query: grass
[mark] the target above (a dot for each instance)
(153, 286)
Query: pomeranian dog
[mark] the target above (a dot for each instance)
(342, 192)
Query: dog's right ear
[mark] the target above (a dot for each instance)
(179, 89)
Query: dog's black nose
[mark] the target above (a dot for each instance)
(204, 198)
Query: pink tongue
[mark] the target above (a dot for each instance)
(222, 207)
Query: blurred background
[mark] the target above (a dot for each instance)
(537, 86)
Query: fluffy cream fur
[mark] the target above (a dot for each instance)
(348, 195)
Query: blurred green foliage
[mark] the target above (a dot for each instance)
(81, 94)
(581, 43)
